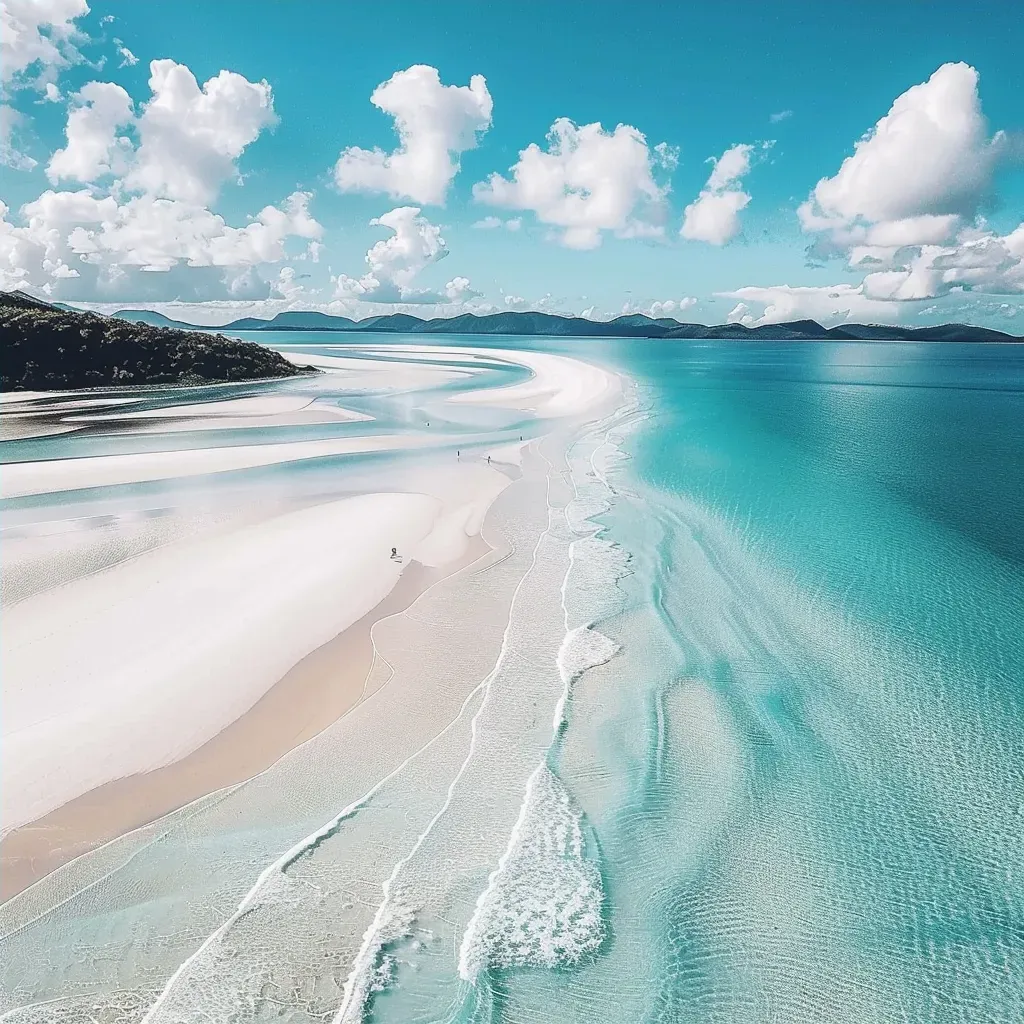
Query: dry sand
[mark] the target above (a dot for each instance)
(316, 692)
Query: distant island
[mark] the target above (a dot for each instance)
(45, 347)
(548, 324)
(51, 346)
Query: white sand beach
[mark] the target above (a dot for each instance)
(118, 679)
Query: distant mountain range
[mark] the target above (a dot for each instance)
(548, 324)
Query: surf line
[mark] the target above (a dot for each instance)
(312, 841)
(360, 977)
(569, 674)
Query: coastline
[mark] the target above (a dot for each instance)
(325, 685)
(457, 659)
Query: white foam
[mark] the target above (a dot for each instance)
(581, 510)
(591, 594)
(583, 648)
(542, 905)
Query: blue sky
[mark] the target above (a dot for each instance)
(918, 229)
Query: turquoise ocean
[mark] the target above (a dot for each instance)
(804, 772)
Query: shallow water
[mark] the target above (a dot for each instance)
(752, 750)
(805, 772)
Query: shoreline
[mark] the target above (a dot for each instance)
(320, 689)
(310, 695)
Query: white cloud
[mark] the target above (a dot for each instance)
(128, 59)
(588, 181)
(979, 262)
(732, 165)
(782, 115)
(191, 137)
(661, 308)
(287, 286)
(929, 157)
(435, 124)
(714, 215)
(395, 262)
(37, 32)
(459, 290)
(153, 225)
(10, 155)
(415, 244)
(782, 303)
(667, 156)
(903, 208)
(156, 234)
(66, 230)
(94, 148)
(672, 308)
(491, 223)
(52, 94)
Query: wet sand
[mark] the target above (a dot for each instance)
(316, 692)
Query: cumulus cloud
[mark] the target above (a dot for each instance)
(155, 234)
(981, 262)
(287, 286)
(395, 262)
(190, 137)
(929, 157)
(66, 233)
(459, 290)
(978, 261)
(37, 34)
(491, 223)
(660, 308)
(94, 148)
(152, 221)
(783, 303)
(672, 308)
(713, 216)
(435, 124)
(903, 209)
(587, 182)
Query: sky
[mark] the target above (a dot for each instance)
(741, 162)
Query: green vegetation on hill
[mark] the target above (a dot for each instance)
(634, 325)
(44, 348)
